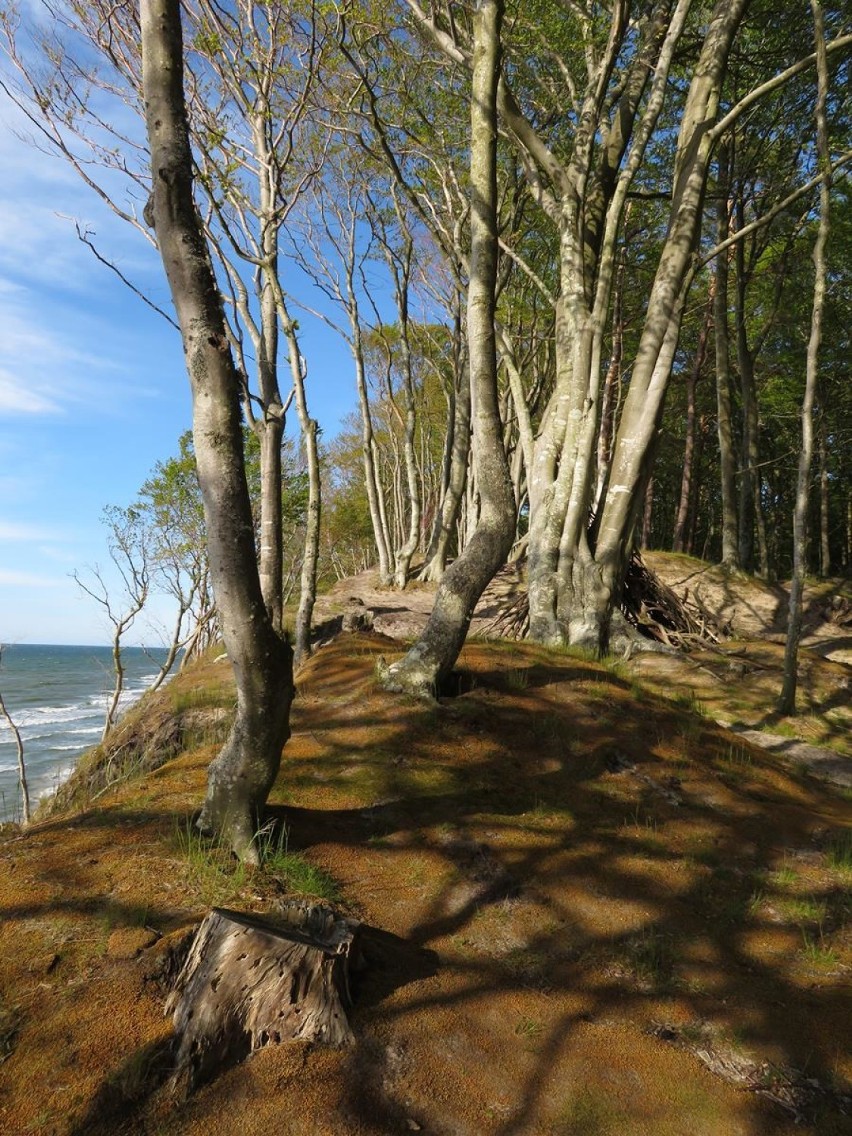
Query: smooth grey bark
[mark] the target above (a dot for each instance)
(409, 505)
(591, 580)
(687, 488)
(787, 699)
(450, 506)
(253, 173)
(330, 229)
(727, 459)
(241, 776)
(456, 458)
(375, 492)
(612, 387)
(749, 447)
(585, 196)
(309, 430)
(432, 657)
(269, 426)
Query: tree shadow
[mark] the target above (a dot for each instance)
(628, 855)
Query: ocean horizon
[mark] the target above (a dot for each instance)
(57, 695)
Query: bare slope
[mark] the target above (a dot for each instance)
(599, 913)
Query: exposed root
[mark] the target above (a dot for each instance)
(512, 621)
(648, 606)
(800, 1096)
(657, 613)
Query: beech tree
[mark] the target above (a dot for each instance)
(787, 698)
(585, 103)
(128, 543)
(241, 776)
(252, 69)
(432, 657)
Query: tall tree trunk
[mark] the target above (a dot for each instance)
(241, 776)
(310, 556)
(270, 427)
(824, 542)
(375, 491)
(271, 565)
(410, 504)
(749, 456)
(684, 508)
(727, 459)
(598, 586)
(787, 699)
(450, 508)
(432, 657)
(568, 597)
(612, 384)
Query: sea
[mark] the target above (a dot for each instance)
(57, 697)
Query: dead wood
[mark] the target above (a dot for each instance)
(658, 613)
(648, 605)
(247, 983)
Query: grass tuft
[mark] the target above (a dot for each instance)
(839, 852)
(298, 875)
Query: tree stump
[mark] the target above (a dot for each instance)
(247, 983)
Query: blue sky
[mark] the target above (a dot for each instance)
(92, 390)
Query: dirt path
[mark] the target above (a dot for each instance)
(736, 686)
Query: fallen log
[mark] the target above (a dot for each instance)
(248, 982)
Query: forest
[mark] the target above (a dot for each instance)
(577, 866)
(591, 262)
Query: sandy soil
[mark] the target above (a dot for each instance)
(590, 911)
(737, 684)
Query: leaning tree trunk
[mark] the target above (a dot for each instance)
(241, 776)
(787, 699)
(639, 428)
(432, 657)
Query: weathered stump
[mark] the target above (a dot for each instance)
(247, 983)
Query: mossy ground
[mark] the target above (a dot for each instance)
(579, 886)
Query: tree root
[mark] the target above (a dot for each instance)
(650, 616)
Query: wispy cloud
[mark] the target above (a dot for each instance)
(15, 399)
(22, 531)
(30, 580)
(40, 203)
(46, 366)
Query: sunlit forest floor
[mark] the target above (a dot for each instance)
(594, 910)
